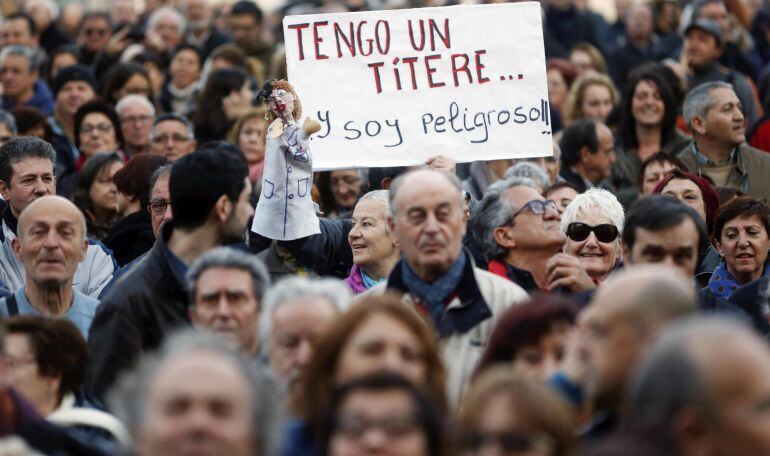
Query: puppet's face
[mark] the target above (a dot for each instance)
(282, 103)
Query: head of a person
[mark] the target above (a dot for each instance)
(43, 12)
(95, 30)
(512, 218)
(132, 182)
(245, 23)
(740, 235)
(196, 395)
(211, 188)
(173, 136)
(714, 10)
(159, 206)
(562, 193)
(638, 20)
(714, 113)
(531, 337)
(153, 63)
(593, 223)
(648, 102)
(653, 169)
(169, 25)
(692, 190)
(45, 359)
(592, 96)
(586, 58)
(197, 13)
(378, 333)
(209, 114)
(26, 171)
(661, 229)
(428, 220)
(560, 74)
(60, 57)
(229, 55)
(703, 383)
(226, 288)
(370, 238)
(30, 121)
(296, 311)
(507, 412)
(19, 28)
(19, 71)
(380, 412)
(248, 134)
(345, 186)
(588, 146)
(624, 316)
(97, 128)
(8, 128)
(186, 65)
(551, 164)
(531, 170)
(95, 190)
(703, 43)
(136, 114)
(126, 79)
(51, 242)
(73, 86)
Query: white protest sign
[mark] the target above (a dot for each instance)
(392, 88)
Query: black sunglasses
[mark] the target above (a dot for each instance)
(605, 232)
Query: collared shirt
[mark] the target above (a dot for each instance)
(81, 312)
(734, 157)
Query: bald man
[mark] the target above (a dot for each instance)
(51, 242)
(623, 318)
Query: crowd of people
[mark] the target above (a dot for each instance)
(611, 298)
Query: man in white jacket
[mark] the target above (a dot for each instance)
(26, 174)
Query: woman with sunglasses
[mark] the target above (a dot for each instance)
(593, 223)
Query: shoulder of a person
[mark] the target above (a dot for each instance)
(755, 154)
(499, 287)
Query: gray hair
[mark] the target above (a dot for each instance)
(7, 119)
(381, 196)
(699, 100)
(158, 14)
(128, 398)
(33, 57)
(134, 98)
(295, 288)
(229, 258)
(50, 5)
(395, 186)
(594, 203)
(172, 117)
(164, 170)
(530, 170)
(494, 211)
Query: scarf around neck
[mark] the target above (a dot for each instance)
(722, 284)
(434, 294)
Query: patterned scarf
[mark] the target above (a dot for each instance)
(434, 294)
(722, 284)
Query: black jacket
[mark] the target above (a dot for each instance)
(140, 309)
(131, 237)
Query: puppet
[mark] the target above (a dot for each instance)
(285, 210)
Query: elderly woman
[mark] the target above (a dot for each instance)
(593, 223)
(375, 250)
(740, 235)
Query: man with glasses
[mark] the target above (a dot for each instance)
(172, 136)
(136, 114)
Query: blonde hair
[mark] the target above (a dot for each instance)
(235, 131)
(594, 54)
(576, 95)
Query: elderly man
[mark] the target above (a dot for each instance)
(226, 288)
(51, 243)
(19, 75)
(201, 30)
(587, 154)
(136, 114)
(296, 311)
(437, 277)
(26, 174)
(714, 115)
(195, 396)
(172, 136)
(210, 198)
(165, 29)
(627, 312)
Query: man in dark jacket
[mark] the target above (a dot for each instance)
(149, 301)
(587, 154)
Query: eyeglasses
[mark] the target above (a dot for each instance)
(136, 119)
(101, 128)
(537, 207)
(509, 442)
(605, 232)
(158, 207)
(355, 426)
(174, 138)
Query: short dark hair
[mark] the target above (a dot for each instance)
(134, 178)
(101, 107)
(118, 76)
(247, 7)
(92, 170)
(60, 350)
(26, 17)
(582, 133)
(658, 157)
(199, 179)
(376, 175)
(742, 206)
(659, 212)
(21, 148)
